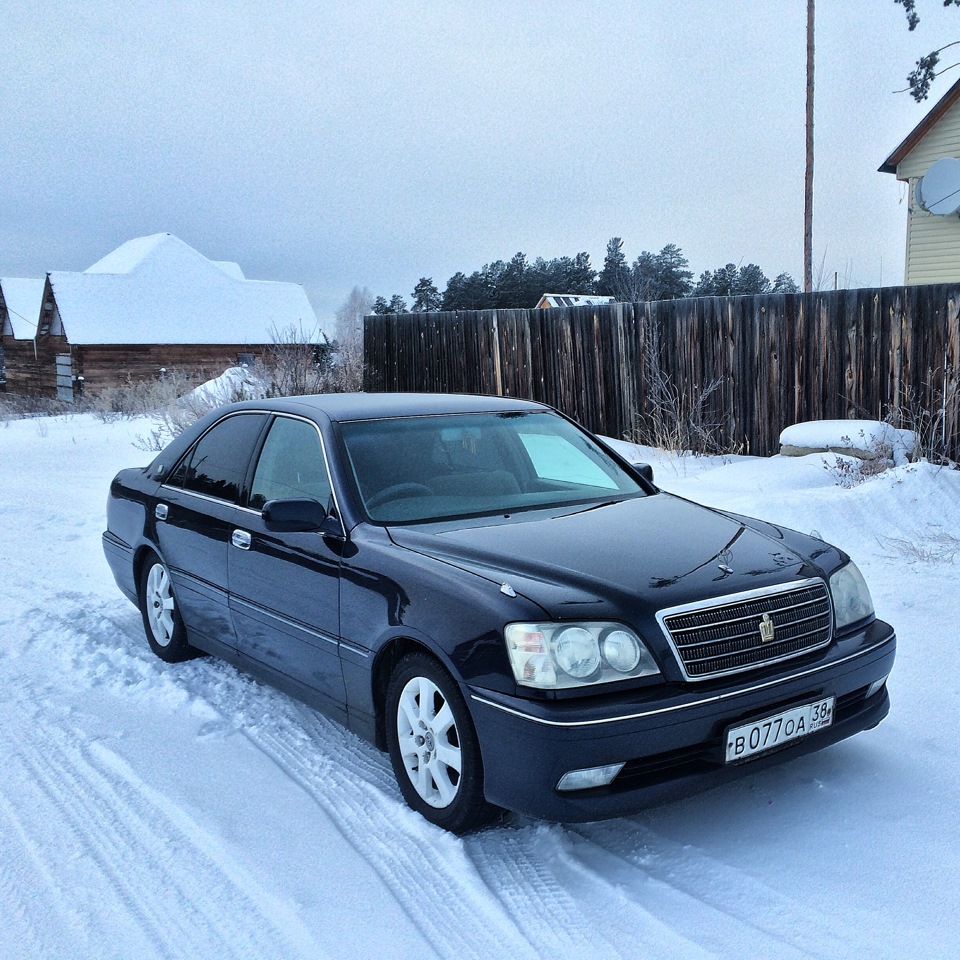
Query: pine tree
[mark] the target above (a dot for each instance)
(426, 296)
(612, 278)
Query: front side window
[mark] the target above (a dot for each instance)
(291, 465)
(432, 467)
(217, 463)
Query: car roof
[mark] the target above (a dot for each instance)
(341, 407)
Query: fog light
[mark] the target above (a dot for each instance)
(591, 777)
(875, 687)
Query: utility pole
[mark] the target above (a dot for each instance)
(808, 178)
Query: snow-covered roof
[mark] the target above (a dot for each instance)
(571, 300)
(157, 289)
(23, 298)
(230, 268)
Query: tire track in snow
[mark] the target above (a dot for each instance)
(174, 893)
(520, 891)
(571, 909)
(40, 928)
(425, 869)
(721, 904)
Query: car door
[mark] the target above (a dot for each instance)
(285, 587)
(195, 516)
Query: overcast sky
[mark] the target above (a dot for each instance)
(367, 143)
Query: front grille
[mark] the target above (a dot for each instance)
(737, 633)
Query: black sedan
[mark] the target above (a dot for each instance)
(482, 588)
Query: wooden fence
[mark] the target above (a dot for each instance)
(775, 359)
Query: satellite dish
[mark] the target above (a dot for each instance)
(938, 190)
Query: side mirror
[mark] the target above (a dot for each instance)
(644, 470)
(301, 515)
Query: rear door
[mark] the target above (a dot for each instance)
(195, 516)
(285, 587)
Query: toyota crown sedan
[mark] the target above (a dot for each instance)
(481, 588)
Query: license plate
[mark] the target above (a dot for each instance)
(761, 735)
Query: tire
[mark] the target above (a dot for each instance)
(162, 623)
(433, 746)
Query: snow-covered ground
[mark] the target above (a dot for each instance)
(154, 811)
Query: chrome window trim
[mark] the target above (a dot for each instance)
(204, 496)
(326, 464)
(274, 414)
(729, 695)
(734, 598)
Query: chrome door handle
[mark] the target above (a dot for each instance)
(240, 539)
(161, 511)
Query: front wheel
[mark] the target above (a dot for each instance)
(162, 623)
(433, 746)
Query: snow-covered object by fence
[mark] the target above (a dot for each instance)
(864, 439)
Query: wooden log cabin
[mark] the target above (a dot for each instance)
(20, 300)
(153, 304)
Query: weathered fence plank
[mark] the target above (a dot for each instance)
(778, 359)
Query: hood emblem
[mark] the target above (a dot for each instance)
(723, 561)
(767, 629)
(507, 590)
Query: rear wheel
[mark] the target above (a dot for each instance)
(162, 623)
(433, 746)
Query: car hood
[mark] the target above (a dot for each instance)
(616, 559)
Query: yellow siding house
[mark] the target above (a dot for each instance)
(933, 241)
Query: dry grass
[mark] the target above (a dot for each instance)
(675, 417)
(936, 547)
(936, 424)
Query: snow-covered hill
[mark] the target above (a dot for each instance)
(153, 811)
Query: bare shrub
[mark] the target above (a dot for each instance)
(847, 472)
(851, 471)
(16, 407)
(936, 426)
(183, 411)
(303, 362)
(297, 361)
(676, 417)
(134, 398)
(345, 374)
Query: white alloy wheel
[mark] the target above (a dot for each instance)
(429, 742)
(159, 610)
(162, 622)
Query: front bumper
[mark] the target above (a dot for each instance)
(670, 739)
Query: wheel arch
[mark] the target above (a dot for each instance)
(139, 559)
(387, 658)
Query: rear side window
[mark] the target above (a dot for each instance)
(218, 461)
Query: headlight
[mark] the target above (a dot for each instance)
(851, 596)
(577, 652)
(555, 656)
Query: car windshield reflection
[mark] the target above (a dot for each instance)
(418, 469)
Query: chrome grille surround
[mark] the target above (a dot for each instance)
(721, 636)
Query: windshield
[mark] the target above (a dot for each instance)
(435, 467)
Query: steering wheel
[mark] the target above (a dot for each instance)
(398, 491)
